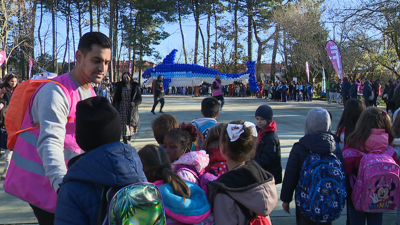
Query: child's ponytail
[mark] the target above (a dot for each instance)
(156, 166)
(178, 185)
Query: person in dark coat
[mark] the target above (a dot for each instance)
(97, 133)
(353, 90)
(127, 99)
(367, 91)
(345, 90)
(158, 94)
(318, 139)
(396, 97)
(388, 97)
(268, 152)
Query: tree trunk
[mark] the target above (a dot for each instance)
(78, 5)
(250, 30)
(91, 15)
(111, 36)
(208, 37)
(197, 20)
(204, 47)
(40, 27)
(115, 40)
(182, 35)
(274, 52)
(216, 38)
(67, 39)
(53, 17)
(98, 15)
(236, 36)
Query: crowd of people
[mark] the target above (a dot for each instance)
(68, 157)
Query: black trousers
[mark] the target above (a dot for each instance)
(156, 101)
(43, 217)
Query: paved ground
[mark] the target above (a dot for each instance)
(290, 118)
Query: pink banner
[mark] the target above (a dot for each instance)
(130, 67)
(2, 57)
(308, 72)
(334, 55)
(30, 67)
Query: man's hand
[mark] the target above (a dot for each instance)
(133, 104)
(286, 207)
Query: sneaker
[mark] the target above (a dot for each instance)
(220, 111)
(153, 112)
(3, 177)
(161, 111)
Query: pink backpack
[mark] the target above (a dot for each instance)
(376, 187)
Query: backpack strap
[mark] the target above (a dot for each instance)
(190, 171)
(102, 211)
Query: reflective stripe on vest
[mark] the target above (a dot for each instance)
(26, 175)
(33, 139)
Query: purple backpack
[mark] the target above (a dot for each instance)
(376, 187)
(202, 178)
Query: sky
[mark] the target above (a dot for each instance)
(166, 46)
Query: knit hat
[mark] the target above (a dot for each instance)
(97, 123)
(264, 111)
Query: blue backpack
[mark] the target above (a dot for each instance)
(321, 191)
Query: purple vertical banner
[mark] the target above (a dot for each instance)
(334, 55)
(308, 72)
(130, 68)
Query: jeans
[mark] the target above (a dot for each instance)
(358, 218)
(331, 96)
(338, 97)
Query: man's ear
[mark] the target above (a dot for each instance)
(79, 56)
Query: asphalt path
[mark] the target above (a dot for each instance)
(290, 118)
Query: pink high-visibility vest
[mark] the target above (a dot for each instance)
(26, 177)
(217, 92)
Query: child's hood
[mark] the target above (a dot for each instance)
(188, 211)
(250, 185)
(318, 121)
(201, 121)
(198, 160)
(378, 140)
(111, 165)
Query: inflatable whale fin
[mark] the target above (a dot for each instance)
(170, 58)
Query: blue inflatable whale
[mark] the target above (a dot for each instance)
(182, 75)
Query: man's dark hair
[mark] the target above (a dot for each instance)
(88, 39)
(210, 107)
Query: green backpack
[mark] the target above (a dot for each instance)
(138, 203)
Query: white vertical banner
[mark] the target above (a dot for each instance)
(308, 72)
(323, 81)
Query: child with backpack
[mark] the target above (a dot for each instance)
(217, 164)
(306, 165)
(210, 110)
(246, 193)
(372, 166)
(268, 152)
(184, 201)
(188, 165)
(347, 123)
(98, 133)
